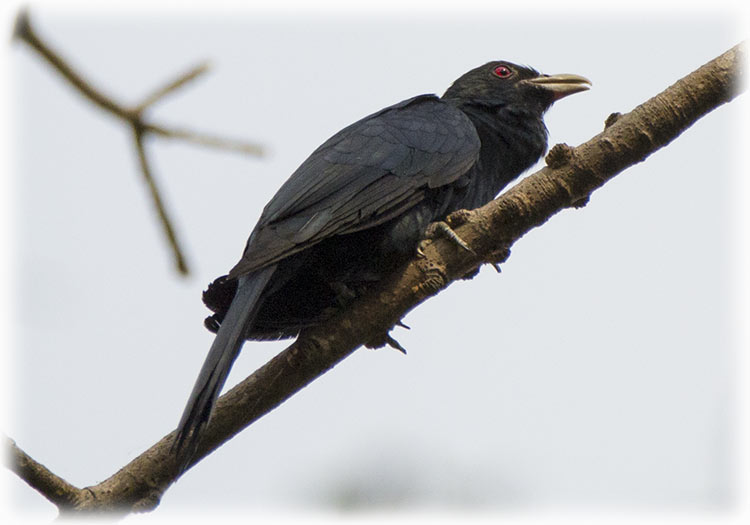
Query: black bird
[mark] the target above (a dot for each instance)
(357, 208)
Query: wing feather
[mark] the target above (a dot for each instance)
(365, 175)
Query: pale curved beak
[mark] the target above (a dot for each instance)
(561, 85)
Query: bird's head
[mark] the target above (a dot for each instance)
(502, 83)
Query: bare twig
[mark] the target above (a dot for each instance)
(172, 86)
(24, 32)
(134, 118)
(138, 136)
(571, 175)
(205, 140)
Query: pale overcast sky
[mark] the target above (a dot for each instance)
(597, 371)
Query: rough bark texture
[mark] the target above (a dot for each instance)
(571, 175)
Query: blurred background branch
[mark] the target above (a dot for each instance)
(133, 117)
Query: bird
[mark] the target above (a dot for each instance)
(357, 208)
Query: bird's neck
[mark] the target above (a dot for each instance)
(512, 141)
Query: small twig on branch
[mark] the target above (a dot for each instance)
(571, 175)
(134, 118)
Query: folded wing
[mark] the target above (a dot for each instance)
(365, 175)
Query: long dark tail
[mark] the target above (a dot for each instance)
(221, 356)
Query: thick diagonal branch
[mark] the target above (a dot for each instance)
(571, 175)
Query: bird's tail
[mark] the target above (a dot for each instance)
(221, 356)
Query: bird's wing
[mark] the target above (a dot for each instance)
(368, 173)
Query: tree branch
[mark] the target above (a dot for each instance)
(172, 86)
(52, 487)
(133, 118)
(24, 32)
(205, 140)
(179, 258)
(571, 175)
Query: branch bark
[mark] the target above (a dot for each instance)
(569, 178)
(51, 486)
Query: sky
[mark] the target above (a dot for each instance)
(598, 371)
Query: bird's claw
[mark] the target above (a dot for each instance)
(441, 229)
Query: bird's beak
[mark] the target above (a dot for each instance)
(561, 85)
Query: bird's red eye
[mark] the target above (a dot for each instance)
(502, 71)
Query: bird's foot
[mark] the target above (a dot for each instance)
(442, 229)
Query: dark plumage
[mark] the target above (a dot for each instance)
(358, 206)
